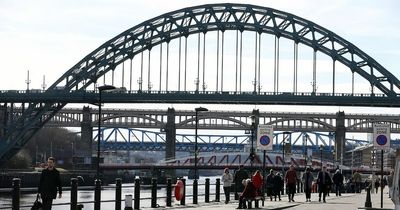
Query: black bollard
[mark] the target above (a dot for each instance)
(74, 193)
(16, 193)
(118, 193)
(169, 192)
(97, 194)
(217, 189)
(183, 200)
(207, 193)
(368, 202)
(195, 191)
(153, 193)
(79, 207)
(136, 204)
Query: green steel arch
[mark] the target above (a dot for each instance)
(182, 23)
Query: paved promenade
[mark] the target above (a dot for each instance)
(345, 202)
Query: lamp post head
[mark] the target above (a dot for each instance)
(201, 109)
(321, 147)
(106, 87)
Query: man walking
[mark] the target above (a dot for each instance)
(323, 181)
(291, 180)
(240, 175)
(338, 181)
(49, 182)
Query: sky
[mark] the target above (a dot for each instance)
(48, 37)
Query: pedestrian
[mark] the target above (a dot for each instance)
(308, 180)
(49, 183)
(291, 180)
(278, 185)
(338, 181)
(258, 181)
(270, 184)
(249, 192)
(376, 184)
(390, 183)
(324, 180)
(357, 181)
(240, 175)
(227, 180)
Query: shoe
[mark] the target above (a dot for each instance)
(293, 200)
(324, 201)
(319, 199)
(279, 199)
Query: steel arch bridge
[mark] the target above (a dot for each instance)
(77, 84)
(145, 140)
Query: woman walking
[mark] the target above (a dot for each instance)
(308, 179)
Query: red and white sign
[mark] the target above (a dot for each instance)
(381, 136)
(265, 136)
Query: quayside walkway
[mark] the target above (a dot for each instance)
(347, 201)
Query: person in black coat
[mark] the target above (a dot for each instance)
(49, 182)
(240, 175)
(324, 181)
(338, 181)
(278, 185)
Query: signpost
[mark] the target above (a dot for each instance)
(381, 141)
(265, 136)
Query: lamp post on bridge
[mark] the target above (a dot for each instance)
(321, 147)
(97, 194)
(253, 127)
(197, 110)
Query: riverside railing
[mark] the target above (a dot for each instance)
(136, 198)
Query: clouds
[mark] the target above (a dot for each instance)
(48, 37)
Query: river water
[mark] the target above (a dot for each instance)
(86, 197)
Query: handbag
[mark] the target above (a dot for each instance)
(37, 205)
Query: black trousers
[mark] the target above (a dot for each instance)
(227, 191)
(338, 188)
(47, 203)
(292, 190)
(323, 189)
(308, 193)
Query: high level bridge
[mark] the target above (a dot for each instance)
(211, 54)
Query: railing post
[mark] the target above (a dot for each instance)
(16, 183)
(118, 193)
(74, 193)
(368, 203)
(217, 189)
(137, 194)
(195, 191)
(207, 193)
(153, 193)
(169, 192)
(97, 194)
(184, 192)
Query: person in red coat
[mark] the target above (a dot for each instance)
(258, 181)
(291, 180)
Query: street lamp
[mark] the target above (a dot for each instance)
(253, 127)
(101, 89)
(321, 147)
(97, 192)
(198, 109)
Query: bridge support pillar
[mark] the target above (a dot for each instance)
(87, 132)
(3, 120)
(340, 137)
(170, 130)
